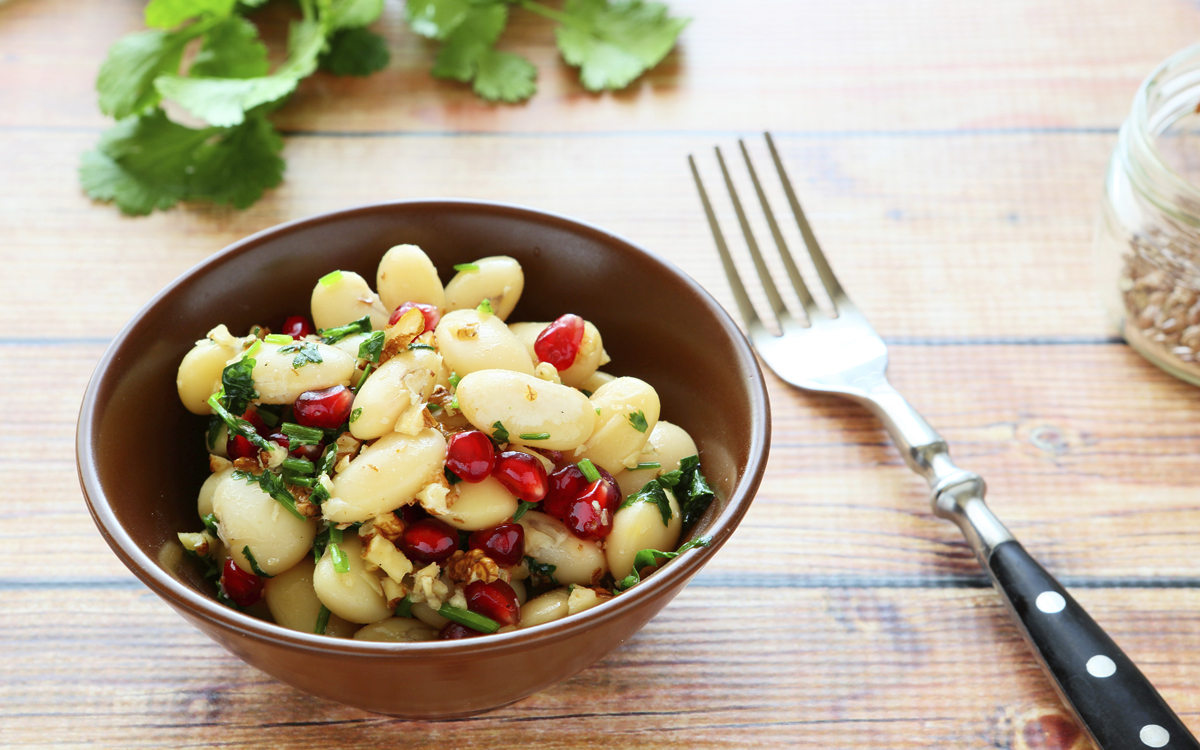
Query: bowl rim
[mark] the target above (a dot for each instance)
(186, 599)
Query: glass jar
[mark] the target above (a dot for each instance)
(1147, 243)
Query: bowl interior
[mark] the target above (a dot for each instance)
(141, 454)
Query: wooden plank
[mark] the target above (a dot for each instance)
(862, 65)
(964, 236)
(1079, 444)
(720, 667)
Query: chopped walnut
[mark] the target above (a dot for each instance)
(436, 498)
(248, 465)
(389, 526)
(347, 448)
(307, 507)
(472, 565)
(401, 333)
(218, 464)
(394, 592)
(428, 587)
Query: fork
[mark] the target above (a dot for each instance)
(844, 356)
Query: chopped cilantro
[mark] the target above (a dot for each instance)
(597, 411)
(305, 351)
(638, 420)
(404, 608)
(210, 523)
(341, 563)
(372, 347)
(499, 432)
(272, 484)
(540, 574)
(693, 491)
(256, 346)
(214, 430)
(522, 506)
(363, 378)
(485, 307)
(237, 424)
(414, 346)
(322, 620)
(269, 414)
(302, 435)
(451, 477)
(454, 379)
(652, 492)
(331, 278)
(298, 465)
(585, 392)
(647, 465)
(535, 436)
(466, 267)
(354, 415)
(334, 335)
(647, 557)
(589, 470)
(469, 619)
(254, 563)
(237, 383)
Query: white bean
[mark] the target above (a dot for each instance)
(638, 527)
(407, 275)
(617, 440)
(479, 505)
(519, 588)
(355, 595)
(350, 344)
(345, 298)
(667, 446)
(428, 615)
(548, 607)
(403, 382)
(279, 382)
(249, 517)
(498, 279)
(575, 560)
(385, 475)
(204, 503)
(199, 374)
(526, 405)
(592, 384)
(294, 603)
(471, 341)
(590, 356)
(396, 630)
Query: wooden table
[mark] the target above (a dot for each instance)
(950, 155)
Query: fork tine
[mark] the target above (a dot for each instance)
(760, 265)
(836, 293)
(735, 280)
(806, 299)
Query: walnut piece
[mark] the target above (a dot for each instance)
(401, 333)
(389, 526)
(472, 565)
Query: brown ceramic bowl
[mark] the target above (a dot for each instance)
(657, 323)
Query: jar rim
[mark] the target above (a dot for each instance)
(1173, 77)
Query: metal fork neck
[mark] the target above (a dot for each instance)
(955, 493)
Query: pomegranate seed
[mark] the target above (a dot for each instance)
(559, 342)
(470, 455)
(240, 586)
(504, 543)
(410, 514)
(522, 475)
(432, 316)
(429, 540)
(566, 484)
(452, 631)
(591, 514)
(496, 600)
(252, 417)
(297, 326)
(328, 408)
(239, 447)
(555, 457)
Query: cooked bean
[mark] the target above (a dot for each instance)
(617, 440)
(592, 384)
(204, 503)
(407, 275)
(350, 344)
(638, 527)
(249, 517)
(471, 341)
(526, 405)
(548, 607)
(385, 475)
(576, 560)
(591, 351)
(401, 384)
(199, 374)
(279, 382)
(498, 279)
(345, 299)
(668, 445)
(519, 588)
(294, 604)
(396, 630)
(355, 595)
(479, 505)
(428, 615)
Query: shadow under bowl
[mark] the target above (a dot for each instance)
(657, 324)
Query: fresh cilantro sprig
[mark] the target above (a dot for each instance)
(647, 557)
(689, 486)
(305, 351)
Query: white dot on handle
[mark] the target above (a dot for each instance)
(1101, 666)
(1050, 602)
(1153, 735)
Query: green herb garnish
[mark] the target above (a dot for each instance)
(486, 307)
(214, 430)
(363, 378)
(322, 620)
(341, 563)
(331, 278)
(647, 465)
(354, 415)
(404, 608)
(652, 492)
(589, 470)
(499, 432)
(272, 484)
(299, 465)
(469, 619)
(237, 424)
(237, 385)
(535, 436)
(541, 574)
(648, 557)
(372, 347)
(638, 420)
(466, 267)
(301, 435)
(278, 338)
(305, 351)
(412, 347)
(210, 523)
(254, 563)
(270, 414)
(454, 379)
(334, 335)
(522, 506)
(451, 477)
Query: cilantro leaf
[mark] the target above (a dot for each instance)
(356, 52)
(334, 335)
(372, 348)
(167, 14)
(305, 351)
(270, 483)
(240, 166)
(499, 432)
(647, 557)
(540, 574)
(638, 420)
(522, 506)
(693, 491)
(231, 49)
(468, 55)
(254, 563)
(322, 620)
(237, 380)
(224, 102)
(613, 42)
(436, 18)
(652, 492)
(505, 77)
(349, 14)
(126, 79)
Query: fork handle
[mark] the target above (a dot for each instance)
(1110, 695)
